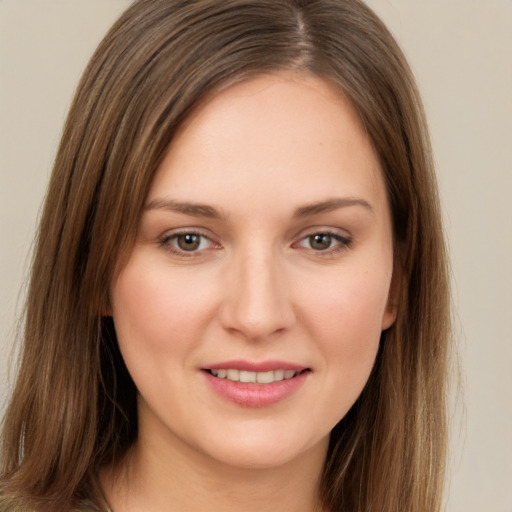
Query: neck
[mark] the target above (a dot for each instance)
(172, 480)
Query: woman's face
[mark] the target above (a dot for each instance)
(250, 309)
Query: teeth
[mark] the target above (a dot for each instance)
(265, 377)
(288, 374)
(278, 374)
(233, 375)
(247, 376)
(254, 377)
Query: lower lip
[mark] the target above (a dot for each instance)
(256, 395)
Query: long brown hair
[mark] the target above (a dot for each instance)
(73, 408)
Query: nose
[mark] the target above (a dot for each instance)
(257, 302)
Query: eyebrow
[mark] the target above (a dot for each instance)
(206, 211)
(330, 205)
(193, 209)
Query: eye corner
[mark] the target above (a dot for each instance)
(324, 241)
(187, 242)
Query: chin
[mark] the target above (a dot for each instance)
(266, 452)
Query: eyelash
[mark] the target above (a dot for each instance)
(342, 243)
(166, 242)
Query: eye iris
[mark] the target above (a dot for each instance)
(189, 242)
(320, 241)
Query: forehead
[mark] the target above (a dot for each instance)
(293, 134)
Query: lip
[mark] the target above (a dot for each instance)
(256, 395)
(252, 366)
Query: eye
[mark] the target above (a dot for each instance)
(186, 242)
(325, 241)
(189, 241)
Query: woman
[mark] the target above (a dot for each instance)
(239, 293)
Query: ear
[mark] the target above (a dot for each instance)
(391, 311)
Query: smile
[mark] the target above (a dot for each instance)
(252, 384)
(244, 376)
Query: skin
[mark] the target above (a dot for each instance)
(256, 288)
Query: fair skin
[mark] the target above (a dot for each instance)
(265, 249)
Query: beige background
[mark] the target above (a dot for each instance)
(460, 51)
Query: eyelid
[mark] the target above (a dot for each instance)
(344, 240)
(343, 237)
(165, 241)
(327, 230)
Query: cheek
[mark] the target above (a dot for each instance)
(352, 303)
(346, 321)
(158, 311)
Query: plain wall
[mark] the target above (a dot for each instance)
(460, 51)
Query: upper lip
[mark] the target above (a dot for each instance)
(253, 366)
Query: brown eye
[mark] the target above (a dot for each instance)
(325, 242)
(320, 241)
(188, 241)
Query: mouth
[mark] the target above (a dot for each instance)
(254, 377)
(256, 384)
